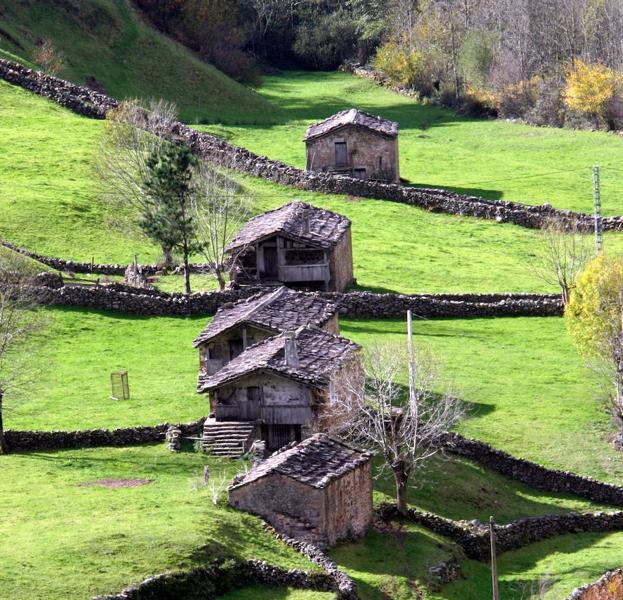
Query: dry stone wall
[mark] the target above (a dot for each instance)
(138, 301)
(533, 474)
(473, 536)
(218, 578)
(26, 441)
(213, 149)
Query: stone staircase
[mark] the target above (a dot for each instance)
(227, 438)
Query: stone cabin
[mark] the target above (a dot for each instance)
(286, 386)
(236, 326)
(356, 144)
(319, 491)
(298, 245)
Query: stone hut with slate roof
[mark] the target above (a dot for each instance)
(298, 245)
(286, 386)
(318, 491)
(356, 144)
(236, 326)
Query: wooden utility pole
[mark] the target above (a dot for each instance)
(411, 359)
(599, 228)
(494, 561)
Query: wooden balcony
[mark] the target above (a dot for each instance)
(318, 272)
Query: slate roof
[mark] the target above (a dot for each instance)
(277, 311)
(316, 461)
(296, 220)
(352, 117)
(319, 353)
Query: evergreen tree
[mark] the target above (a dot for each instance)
(167, 217)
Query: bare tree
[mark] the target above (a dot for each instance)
(18, 319)
(131, 137)
(404, 428)
(562, 253)
(49, 58)
(220, 208)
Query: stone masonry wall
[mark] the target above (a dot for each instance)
(25, 441)
(219, 152)
(137, 301)
(533, 474)
(218, 578)
(474, 537)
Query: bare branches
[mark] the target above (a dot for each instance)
(18, 319)
(220, 208)
(404, 428)
(562, 253)
(131, 136)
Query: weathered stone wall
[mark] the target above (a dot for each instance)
(532, 473)
(608, 587)
(143, 302)
(220, 577)
(341, 263)
(25, 441)
(348, 505)
(72, 266)
(474, 537)
(217, 151)
(288, 505)
(376, 153)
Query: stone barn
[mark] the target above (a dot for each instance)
(239, 325)
(298, 245)
(319, 491)
(280, 390)
(356, 144)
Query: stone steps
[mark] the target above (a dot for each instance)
(227, 438)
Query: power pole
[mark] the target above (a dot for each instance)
(599, 228)
(411, 361)
(494, 561)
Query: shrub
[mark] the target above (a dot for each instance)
(405, 66)
(590, 88)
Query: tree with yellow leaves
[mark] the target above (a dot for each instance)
(589, 88)
(594, 318)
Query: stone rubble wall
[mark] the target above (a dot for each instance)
(345, 587)
(218, 578)
(533, 474)
(607, 587)
(72, 266)
(474, 537)
(219, 152)
(26, 441)
(121, 298)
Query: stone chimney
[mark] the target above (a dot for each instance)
(306, 220)
(292, 355)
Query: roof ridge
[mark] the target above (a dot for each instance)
(263, 301)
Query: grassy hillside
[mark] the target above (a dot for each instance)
(49, 202)
(490, 158)
(525, 386)
(72, 541)
(108, 40)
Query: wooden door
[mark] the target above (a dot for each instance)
(341, 154)
(271, 263)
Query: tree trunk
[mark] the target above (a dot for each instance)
(401, 478)
(3, 445)
(565, 294)
(167, 257)
(220, 279)
(186, 268)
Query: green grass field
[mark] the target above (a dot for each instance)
(489, 158)
(108, 40)
(71, 541)
(526, 388)
(49, 202)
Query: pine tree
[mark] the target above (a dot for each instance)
(168, 218)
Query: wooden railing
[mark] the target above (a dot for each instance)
(304, 272)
